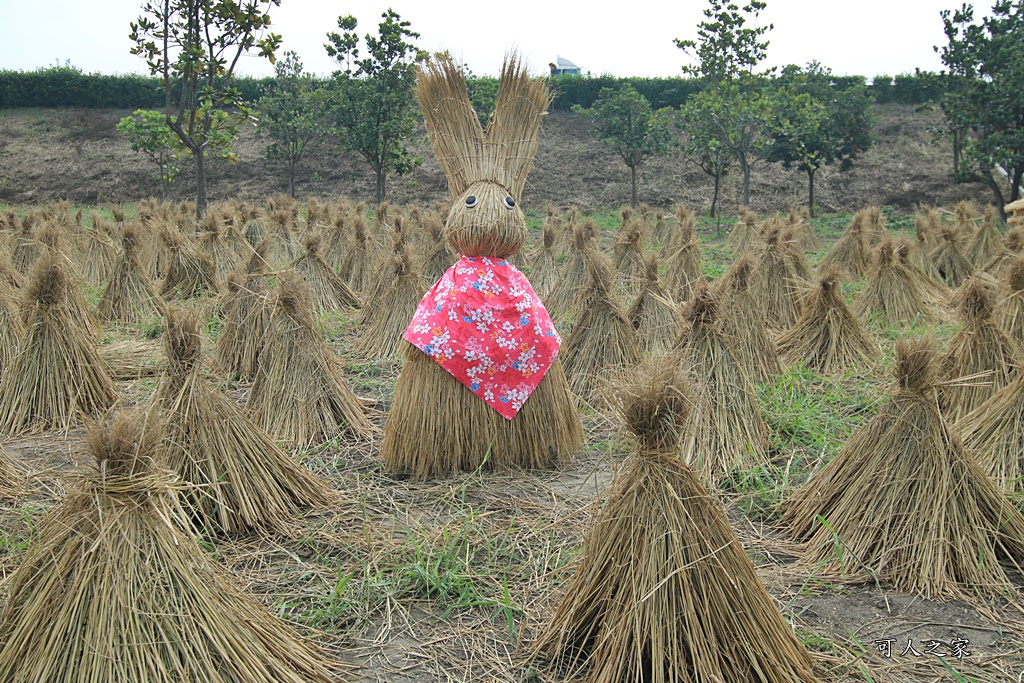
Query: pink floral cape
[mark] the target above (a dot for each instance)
(483, 323)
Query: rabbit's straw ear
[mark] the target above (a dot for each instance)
(511, 137)
(452, 124)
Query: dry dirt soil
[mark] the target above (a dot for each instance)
(77, 154)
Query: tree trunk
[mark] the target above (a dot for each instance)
(200, 157)
(956, 151)
(714, 197)
(380, 186)
(291, 177)
(632, 177)
(746, 183)
(810, 190)
(993, 185)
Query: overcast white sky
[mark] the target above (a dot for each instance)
(632, 38)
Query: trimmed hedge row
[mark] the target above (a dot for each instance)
(66, 86)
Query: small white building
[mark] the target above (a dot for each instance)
(562, 66)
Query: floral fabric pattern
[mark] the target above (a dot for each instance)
(483, 323)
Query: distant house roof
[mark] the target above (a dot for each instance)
(561, 66)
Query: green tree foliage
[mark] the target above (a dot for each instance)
(193, 47)
(627, 124)
(726, 48)
(288, 114)
(149, 134)
(984, 102)
(703, 145)
(371, 104)
(734, 109)
(814, 124)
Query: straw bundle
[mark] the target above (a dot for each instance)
(994, 436)
(241, 480)
(129, 296)
(299, 392)
(743, 322)
(190, 273)
(113, 590)
(132, 359)
(661, 231)
(744, 235)
(965, 213)
(10, 477)
(26, 249)
(874, 225)
(727, 431)
(664, 591)
(980, 351)
(683, 273)
(799, 222)
(56, 375)
(953, 267)
(893, 293)
(439, 255)
(329, 291)
(389, 306)
(602, 339)
(1012, 304)
(573, 278)
(628, 255)
(357, 269)
(986, 244)
(653, 314)
(100, 254)
(9, 275)
(778, 288)
(246, 314)
(544, 266)
(905, 500)
(849, 253)
(12, 328)
(827, 337)
(217, 242)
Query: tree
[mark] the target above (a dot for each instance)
(193, 47)
(732, 102)
(148, 133)
(986, 104)
(814, 124)
(726, 48)
(627, 124)
(288, 114)
(703, 146)
(371, 106)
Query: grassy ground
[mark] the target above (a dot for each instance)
(450, 580)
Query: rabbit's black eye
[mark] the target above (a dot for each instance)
(509, 203)
(470, 201)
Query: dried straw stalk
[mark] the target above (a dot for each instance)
(827, 337)
(743, 322)
(893, 293)
(389, 306)
(113, 590)
(683, 274)
(10, 477)
(744, 236)
(246, 312)
(241, 480)
(1012, 304)
(132, 359)
(12, 328)
(299, 393)
(994, 435)
(952, 265)
(778, 288)
(602, 339)
(906, 501)
(357, 269)
(799, 221)
(573, 279)
(190, 273)
(544, 267)
(129, 296)
(987, 243)
(664, 592)
(628, 256)
(56, 376)
(727, 432)
(328, 289)
(980, 351)
(849, 253)
(653, 314)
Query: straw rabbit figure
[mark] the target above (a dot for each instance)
(482, 385)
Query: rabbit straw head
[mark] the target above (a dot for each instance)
(486, 168)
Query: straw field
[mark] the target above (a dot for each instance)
(399, 580)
